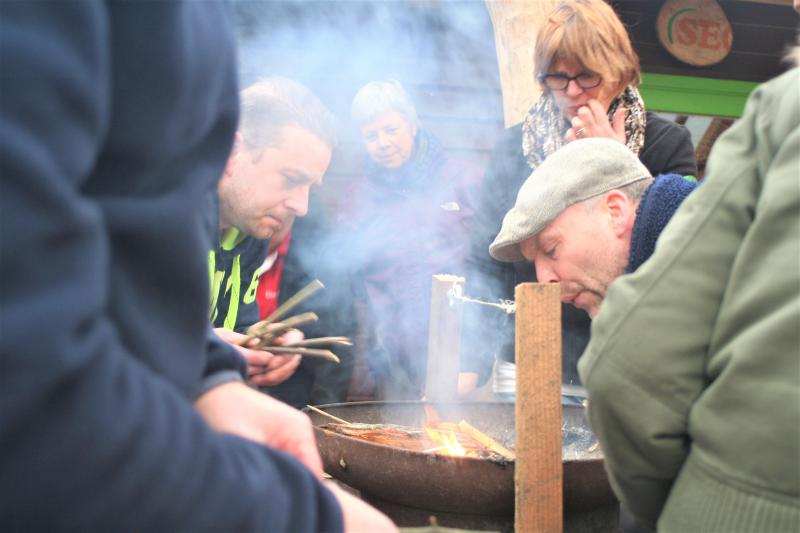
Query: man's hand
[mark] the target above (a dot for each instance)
(235, 408)
(359, 517)
(263, 368)
(592, 121)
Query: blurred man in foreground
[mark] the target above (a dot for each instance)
(693, 370)
(119, 408)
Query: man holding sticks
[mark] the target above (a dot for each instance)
(283, 148)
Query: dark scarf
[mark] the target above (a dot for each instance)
(659, 203)
(545, 127)
(418, 172)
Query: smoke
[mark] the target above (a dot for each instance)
(443, 53)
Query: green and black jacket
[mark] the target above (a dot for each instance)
(234, 267)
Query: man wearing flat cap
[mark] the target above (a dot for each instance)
(588, 214)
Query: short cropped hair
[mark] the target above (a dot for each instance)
(379, 97)
(589, 35)
(273, 103)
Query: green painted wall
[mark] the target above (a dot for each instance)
(694, 96)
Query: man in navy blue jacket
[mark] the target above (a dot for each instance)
(115, 401)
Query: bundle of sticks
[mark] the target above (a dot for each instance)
(272, 327)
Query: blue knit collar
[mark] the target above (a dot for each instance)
(656, 208)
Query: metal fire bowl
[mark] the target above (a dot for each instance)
(463, 485)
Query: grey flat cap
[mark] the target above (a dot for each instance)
(579, 171)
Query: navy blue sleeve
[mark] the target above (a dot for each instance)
(223, 363)
(92, 435)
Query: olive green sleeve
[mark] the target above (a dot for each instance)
(647, 361)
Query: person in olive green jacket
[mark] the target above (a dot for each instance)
(693, 369)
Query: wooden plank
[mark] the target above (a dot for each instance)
(444, 340)
(538, 478)
(515, 24)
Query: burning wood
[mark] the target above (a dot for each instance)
(441, 438)
(486, 440)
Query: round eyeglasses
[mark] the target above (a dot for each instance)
(559, 82)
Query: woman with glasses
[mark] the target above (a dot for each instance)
(588, 72)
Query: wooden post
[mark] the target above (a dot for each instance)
(515, 24)
(444, 340)
(538, 476)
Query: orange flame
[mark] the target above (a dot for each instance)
(448, 442)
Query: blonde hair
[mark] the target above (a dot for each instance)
(271, 104)
(587, 34)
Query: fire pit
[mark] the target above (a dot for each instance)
(448, 485)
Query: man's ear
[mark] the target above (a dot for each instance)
(621, 212)
(238, 145)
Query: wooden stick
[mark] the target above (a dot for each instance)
(344, 341)
(323, 413)
(297, 298)
(291, 322)
(269, 331)
(444, 340)
(263, 329)
(305, 352)
(538, 472)
(486, 440)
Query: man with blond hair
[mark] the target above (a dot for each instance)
(282, 149)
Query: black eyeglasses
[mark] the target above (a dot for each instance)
(559, 82)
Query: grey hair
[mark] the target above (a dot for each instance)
(379, 97)
(271, 104)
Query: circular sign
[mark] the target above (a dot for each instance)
(696, 32)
